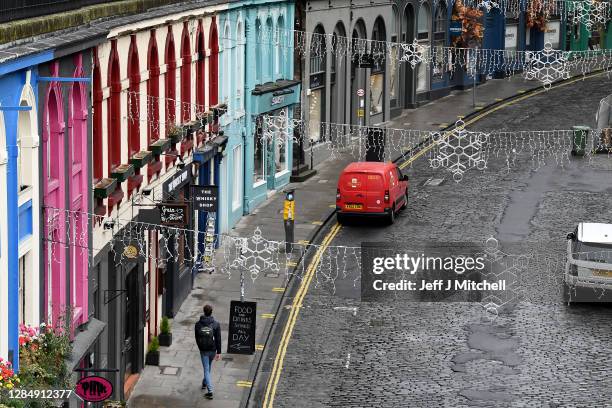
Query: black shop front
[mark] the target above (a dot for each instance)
(178, 243)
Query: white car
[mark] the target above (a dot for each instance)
(589, 257)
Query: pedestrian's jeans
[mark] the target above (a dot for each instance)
(207, 360)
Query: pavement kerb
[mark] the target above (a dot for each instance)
(270, 325)
(291, 288)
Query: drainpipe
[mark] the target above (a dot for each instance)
(245, 197)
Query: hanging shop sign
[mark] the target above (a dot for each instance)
(552, 34)
(317, 80)
(455, 28)
(205, 198)
(174, 215)
(241, 337)
(178, 180)
(94, 388)
(511, 37)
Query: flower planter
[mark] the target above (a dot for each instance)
(165, 339)
(105, 187)
(152, 358)
(159, 146)
(176, 137)
(140, 159)
(123, 172)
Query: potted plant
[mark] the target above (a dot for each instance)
(165, 337)
(175, 133)
(152, 357)
(537, 15)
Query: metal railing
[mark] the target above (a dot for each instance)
(11, 10)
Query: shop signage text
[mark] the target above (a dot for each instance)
(276, 100)
(173, 214)
(455, 28)
(205, 198)
(241, 334)
(178, 180)
(93, 388)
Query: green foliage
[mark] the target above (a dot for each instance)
(42, 358)
(165, 325)
(154, 344)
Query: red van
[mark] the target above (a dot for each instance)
(371, 188)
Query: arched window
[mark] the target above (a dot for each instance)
(213, 79)
(185, 75)
(200, 69)
(170, 88)
(423, 28)
(377, 75)
(318, 74)
(439, 40)
(114, 110)
(269, 62)
(133, 99)
(279, 34)
(227, 61)
(258, 56)
(153, 91)
(393, 59)
(98, 148)
(239, 64)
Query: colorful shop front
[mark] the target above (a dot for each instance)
(269, 147)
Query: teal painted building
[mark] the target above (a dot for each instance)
(255, 80)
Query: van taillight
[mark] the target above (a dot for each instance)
(338, 194)
(386, 196)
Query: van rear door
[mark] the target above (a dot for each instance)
(353, 190)
(376, 192)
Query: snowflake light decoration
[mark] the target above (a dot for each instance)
(413, 53)
(502, 266)
(256, 254)
(547, 66)
(459, 151)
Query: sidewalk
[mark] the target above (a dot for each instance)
(176, 382)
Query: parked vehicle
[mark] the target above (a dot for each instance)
(371, 189)
(589, 259)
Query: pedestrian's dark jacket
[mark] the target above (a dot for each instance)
(211, 322)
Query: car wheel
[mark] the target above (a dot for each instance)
(391, 218)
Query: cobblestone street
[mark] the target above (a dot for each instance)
(538, 353)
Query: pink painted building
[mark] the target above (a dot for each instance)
(66, 202)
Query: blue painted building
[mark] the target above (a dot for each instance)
(255, 80)
(20, 192)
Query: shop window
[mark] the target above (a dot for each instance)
(259, 171)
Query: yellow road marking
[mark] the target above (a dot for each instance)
(291, 263)
(288, 331)
(246, 384)
(267, 315)
(278, 289)
(495, 109)
(303, 242)
(332, 206)
(259, 347)
(317, 222)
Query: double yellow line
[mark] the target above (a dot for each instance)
(495, 109)
(297, 304)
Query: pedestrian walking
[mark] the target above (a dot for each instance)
(208, 339)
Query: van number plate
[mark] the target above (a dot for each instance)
(353, 206)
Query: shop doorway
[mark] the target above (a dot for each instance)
(130, 330)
